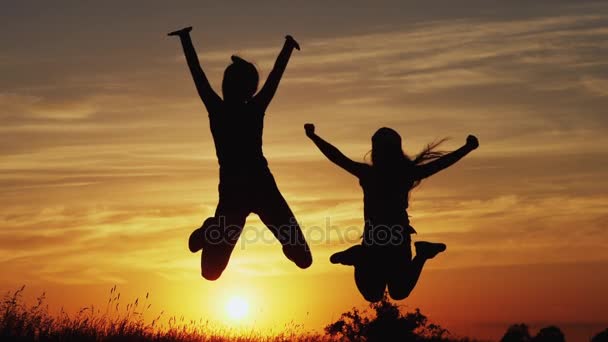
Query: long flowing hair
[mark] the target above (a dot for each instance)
(387, 153)
(428, 154)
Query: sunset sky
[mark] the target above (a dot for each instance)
(107, 162)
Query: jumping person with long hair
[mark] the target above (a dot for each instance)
(384, 257)
(246, 184)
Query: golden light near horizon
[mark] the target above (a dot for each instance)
(237, 308)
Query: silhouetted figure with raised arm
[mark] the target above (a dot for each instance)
(246, 184)
(384, 258)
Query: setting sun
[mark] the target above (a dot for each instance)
(237, 308)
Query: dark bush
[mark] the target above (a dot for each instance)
(386, 324)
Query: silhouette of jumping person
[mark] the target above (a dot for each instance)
(246, 183)
(384, 257)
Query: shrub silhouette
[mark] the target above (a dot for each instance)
(521, 333)
(549, 334)
(517, 333)
(387, 324)
(601, 337)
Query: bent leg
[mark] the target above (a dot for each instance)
(370, 281)
(278, 217)
(404, 276)
(221, 235)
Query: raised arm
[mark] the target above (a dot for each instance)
(265, 95)
(209, 97)
(429, 169)
(333, 154)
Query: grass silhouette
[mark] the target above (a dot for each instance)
(22, 322)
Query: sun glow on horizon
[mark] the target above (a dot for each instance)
(237, 308)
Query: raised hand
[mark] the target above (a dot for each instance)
(309, 129)
(184, 31)
(472, 142)
(292, 42)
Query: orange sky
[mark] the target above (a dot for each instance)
(107, 163)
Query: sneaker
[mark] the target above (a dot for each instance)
(196, 242)
(429, 250)
(348, 257)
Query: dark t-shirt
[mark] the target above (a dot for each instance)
(237, 134)
(385, 197)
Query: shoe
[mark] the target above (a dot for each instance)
(349, 257)
(300, 255)
(196, 242)
(429, 250)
